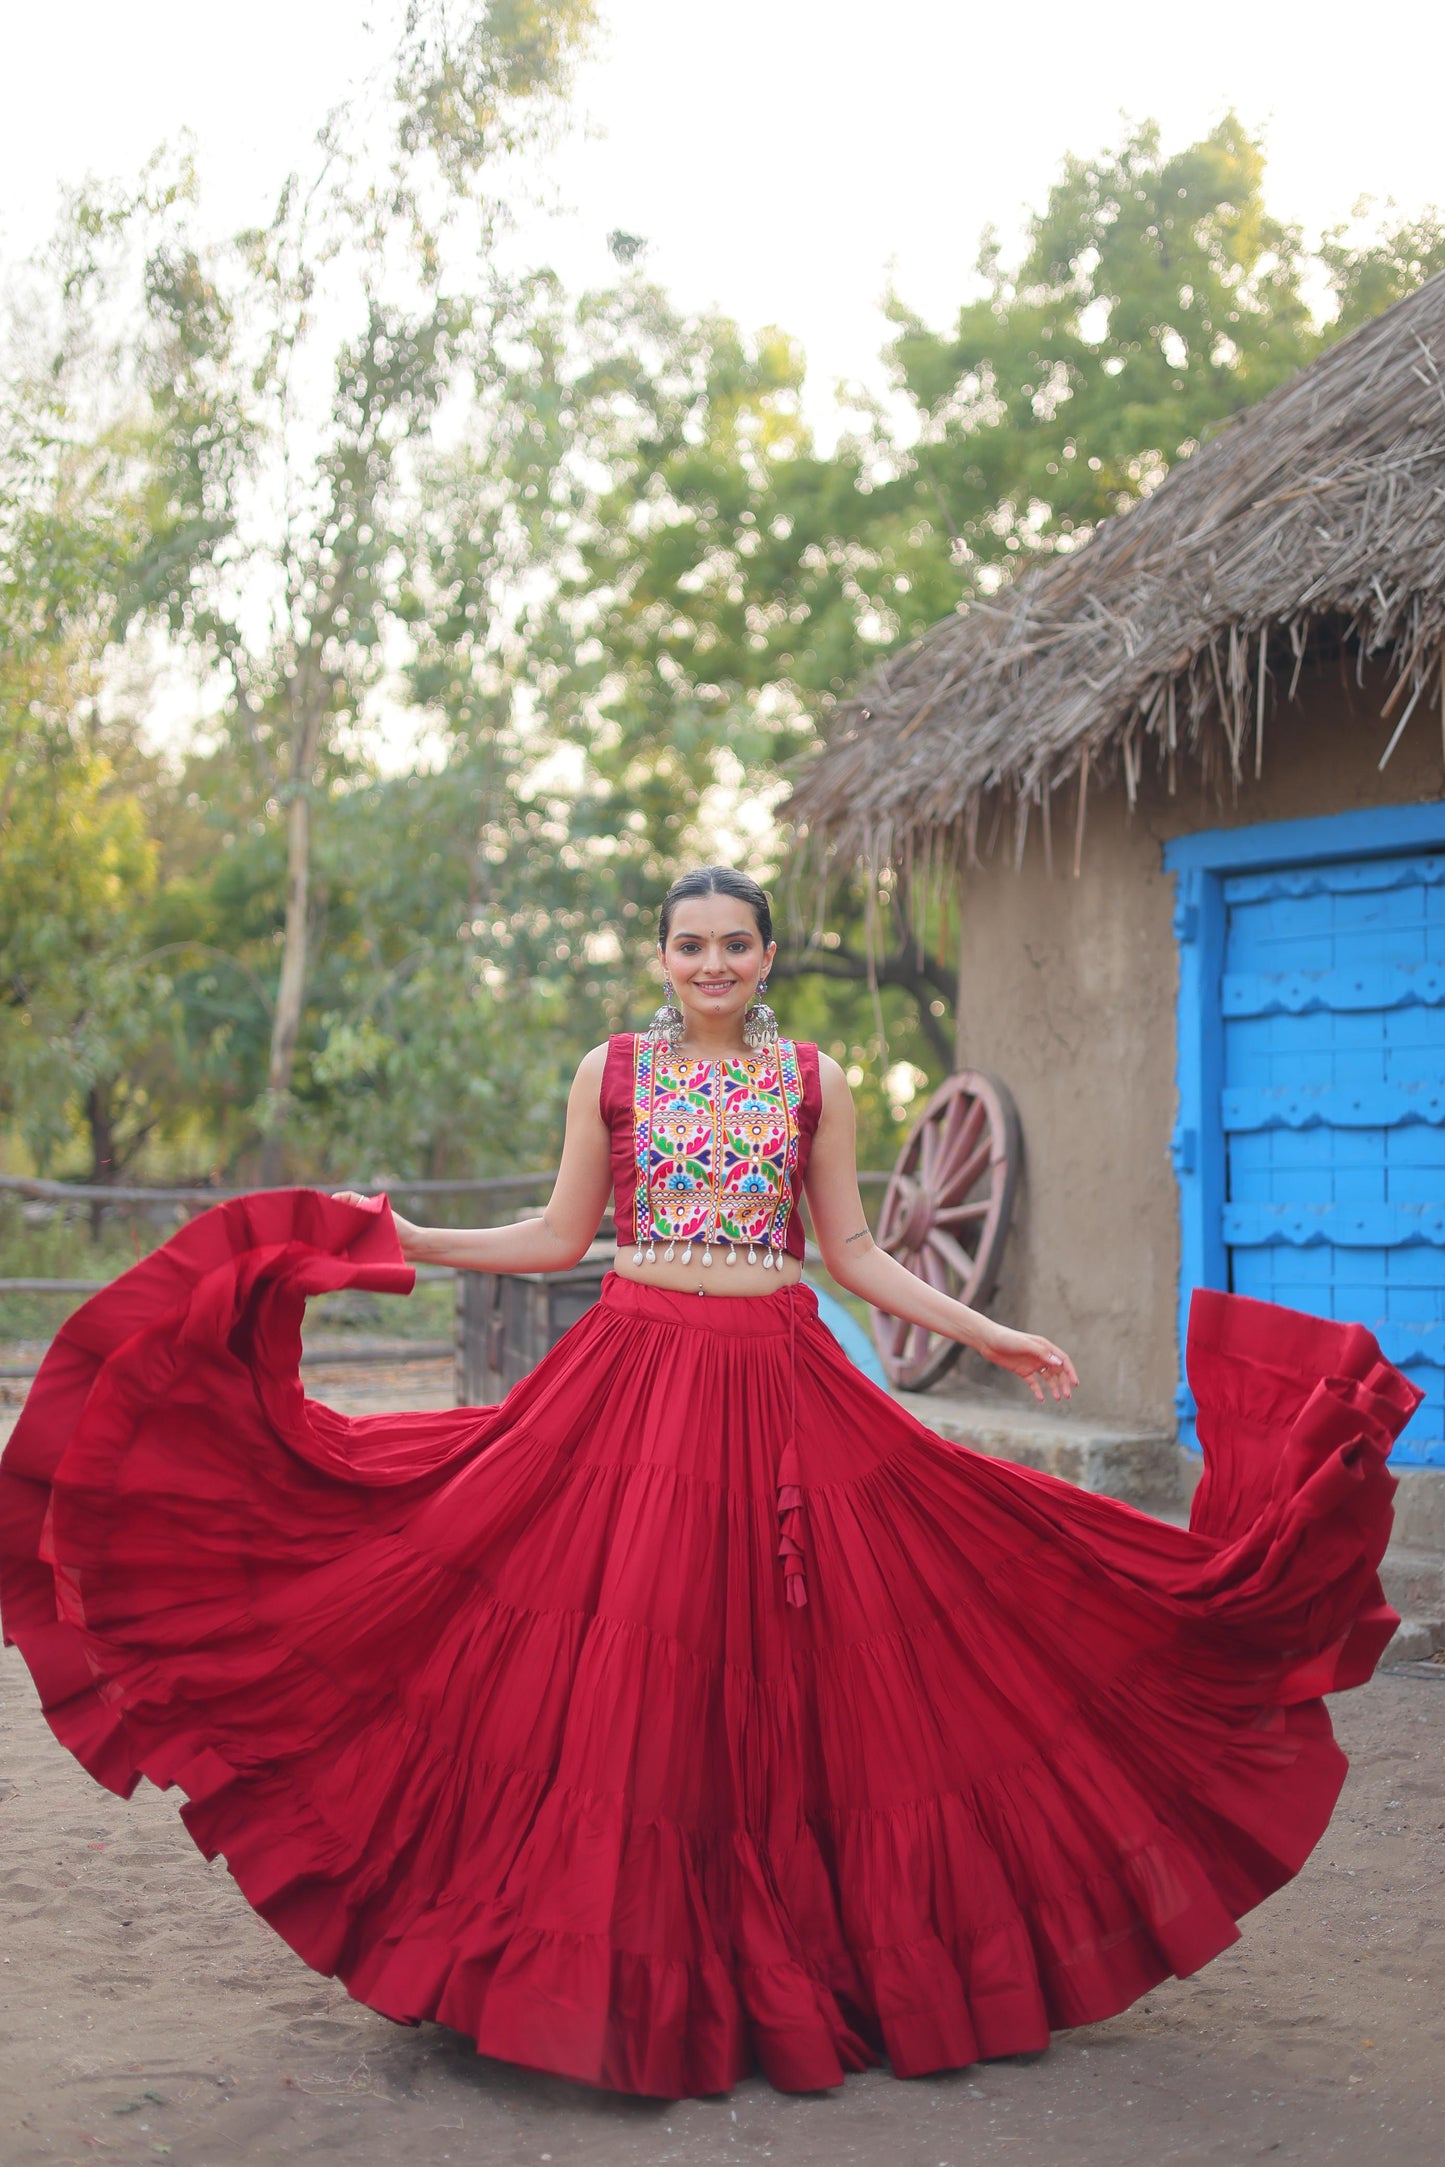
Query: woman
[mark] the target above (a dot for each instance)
(697, 1707)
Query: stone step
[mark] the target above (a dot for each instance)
(1420, 1509)
(1414, 1582)
(1417, 1640)
(1144, 1468)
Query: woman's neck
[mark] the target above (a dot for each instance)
(709, 1041)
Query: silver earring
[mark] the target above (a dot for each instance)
(666, 1025)
(760, 1025)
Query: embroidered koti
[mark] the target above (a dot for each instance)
(716, 1145)
(715, 1149)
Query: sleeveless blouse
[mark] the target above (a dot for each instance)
(710, 1151)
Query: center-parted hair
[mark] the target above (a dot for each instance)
(716, 880)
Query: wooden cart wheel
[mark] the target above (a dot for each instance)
(945, 1215)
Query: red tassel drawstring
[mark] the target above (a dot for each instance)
(790, 1528)
(790, 1491)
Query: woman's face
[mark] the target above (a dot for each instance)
(715, 957)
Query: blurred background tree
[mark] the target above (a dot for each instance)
(364, 488)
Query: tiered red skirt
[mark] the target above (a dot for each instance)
(502, 1715)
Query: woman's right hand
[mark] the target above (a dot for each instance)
(405, 1231)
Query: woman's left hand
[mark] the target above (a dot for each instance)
(1042, 1365)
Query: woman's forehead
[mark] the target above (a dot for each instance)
(712, 918)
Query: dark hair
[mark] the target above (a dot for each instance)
(716, 880)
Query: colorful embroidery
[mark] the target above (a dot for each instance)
(716, 1145)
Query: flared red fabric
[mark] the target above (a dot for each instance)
(697, 1707)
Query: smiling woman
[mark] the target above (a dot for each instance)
(696, 1708)
(725, 1110)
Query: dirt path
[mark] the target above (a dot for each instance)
(146, 2013)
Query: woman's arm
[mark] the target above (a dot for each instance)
(561, 1236)
(857, 1263)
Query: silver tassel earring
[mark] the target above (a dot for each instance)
(760, 1025)
(667, 1024)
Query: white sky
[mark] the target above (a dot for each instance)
(783, 158)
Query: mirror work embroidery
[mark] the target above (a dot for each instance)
(716, 1148)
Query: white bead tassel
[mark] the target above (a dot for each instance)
(669, 1252)
(687, 1254)
(651, 1254)
(732, 1254)
(752, 1254)
(768, 1260)
(707, 1257)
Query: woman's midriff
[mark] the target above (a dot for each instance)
(735, 1281)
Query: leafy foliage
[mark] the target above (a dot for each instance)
(593, 555)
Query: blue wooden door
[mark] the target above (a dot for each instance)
(1333, 1104)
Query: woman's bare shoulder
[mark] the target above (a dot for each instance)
(835, 1094)
(830, 1074)
(592, 1064)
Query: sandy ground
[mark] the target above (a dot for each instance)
(146, 2013)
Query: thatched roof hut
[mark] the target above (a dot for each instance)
(1220, 1008)
(1180, 624)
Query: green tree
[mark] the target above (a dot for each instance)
(1371, 274)
(732, 582)
(304, 592)
(1156, 296)
(80, 1005)
(617, 595)
(77, 864)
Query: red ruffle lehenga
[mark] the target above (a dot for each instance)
(502, 1714)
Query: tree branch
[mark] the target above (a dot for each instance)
(926, 982)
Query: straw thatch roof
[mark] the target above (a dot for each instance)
(1182, 622)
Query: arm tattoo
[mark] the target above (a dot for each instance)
(861, 1235)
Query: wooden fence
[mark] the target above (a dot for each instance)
(475, 1345)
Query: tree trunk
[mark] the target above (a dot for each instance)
(101, 1123)
(103, 1169)
(291, 992)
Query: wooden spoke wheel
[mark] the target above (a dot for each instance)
(945, 1215)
